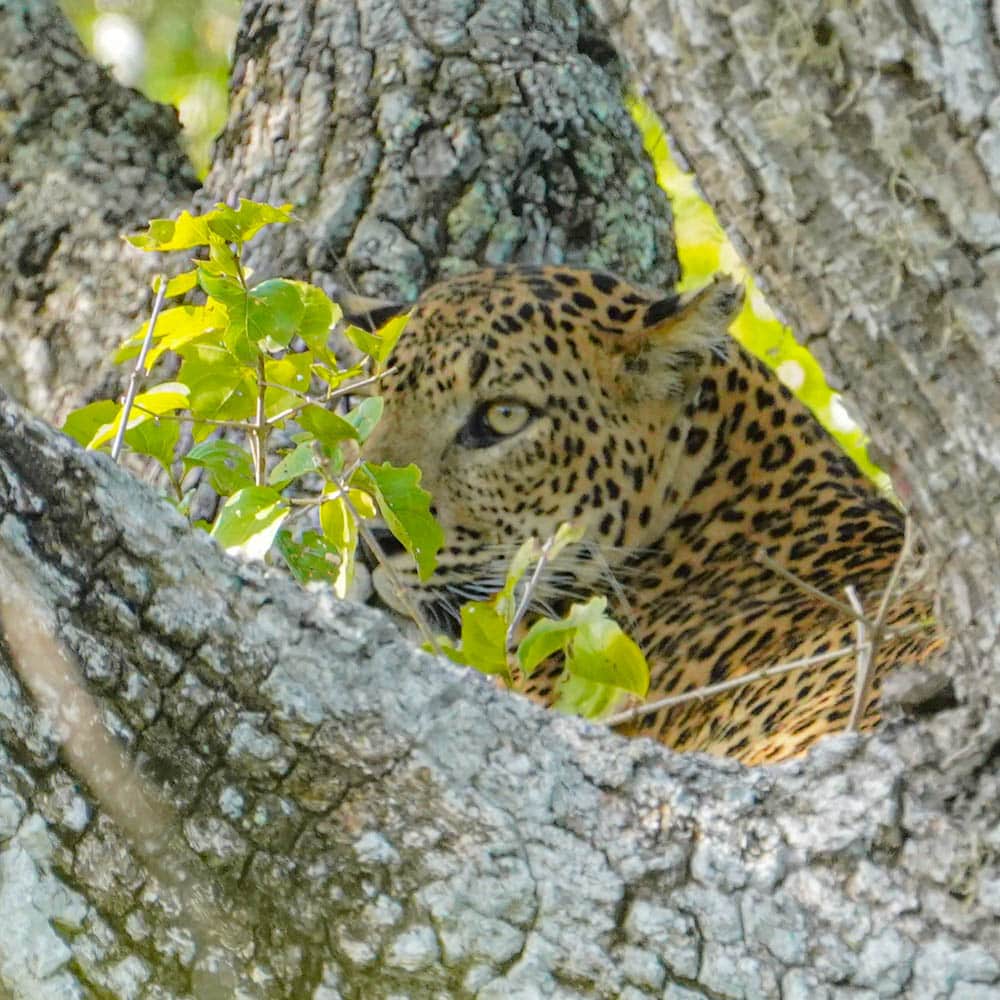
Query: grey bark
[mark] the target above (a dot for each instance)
(339, 815)
(853, 152)
(420, 138)
(82, 160)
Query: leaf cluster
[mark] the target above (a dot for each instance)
(254, 360)
(602, 668)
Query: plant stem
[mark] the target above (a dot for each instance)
(260, 429)
(878, 629)
(133, 382)
(700, 694)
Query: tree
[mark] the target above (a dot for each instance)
(308, 807)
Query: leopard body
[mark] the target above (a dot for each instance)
(534, 396)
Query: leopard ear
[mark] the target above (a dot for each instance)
(369, 313)
(671, 341)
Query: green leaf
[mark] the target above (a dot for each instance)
(298, 462)
(220, 388)
(250, 520)
(275, 310)
(230, 467)
(310, 558)
(293, 371)
(365, 416)
(590, 699)
(365, 342)
(328, 428)
(341, 531)
(224, 287)
(160, 399)
(378, 345)
(156, 438)
(221, 260)
(484, 638)
(242, 224)
(601, 652)
(548, 636)
(406, 510)
(363, 504)
(83, 423)
(334, 377)
(185, 232)
(542, 640)
(389, 335)
(319, 314)
(237, 340)
(175, 328)
(179, 284)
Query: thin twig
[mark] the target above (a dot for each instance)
(140, 362)
(347, 390)
(259, 433)
(878, 629)
(775, 567)
(862, 680)
(182, 418)
(700, 694)
(529, 590)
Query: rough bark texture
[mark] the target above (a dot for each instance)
(342, 816)
(853, 151)
(422, 137)
(82, 160)
(347, 817)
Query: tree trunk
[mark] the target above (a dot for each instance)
(306, 806)
(418, 139)
(82, 160)
(853, 153)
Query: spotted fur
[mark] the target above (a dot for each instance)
(681, 454)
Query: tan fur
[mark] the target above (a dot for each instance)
(682, 456)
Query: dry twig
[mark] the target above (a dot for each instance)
(140, 362)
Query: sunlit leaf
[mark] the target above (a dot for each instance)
(293, 371)
(219, 387)
(175, 328)
(160, 399)
(179, 284)
(224, 287)
(600, 651)
(319, 314)
(545, 638)
(249, 521)
(576, 695)
(341, 532)
(388, 336)
(83, 423)
(243, 223)
(182, 233)
(367, 343)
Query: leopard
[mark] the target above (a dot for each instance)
(723, 524)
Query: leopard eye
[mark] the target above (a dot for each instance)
(492, 422)
(506, 418)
